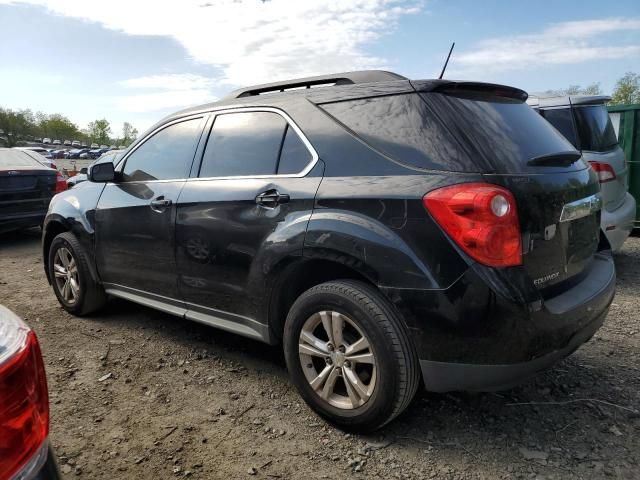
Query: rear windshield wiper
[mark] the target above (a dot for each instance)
(562, 159)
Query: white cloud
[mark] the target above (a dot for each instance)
(561, 43)
(252, 41)
(167, 91)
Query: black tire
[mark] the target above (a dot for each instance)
(91, 296)
(396, 361)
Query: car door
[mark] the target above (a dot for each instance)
(247, 208)
(135, 217)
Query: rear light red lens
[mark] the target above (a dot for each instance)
(604, 171)
(24, 402)
(61, 183)
(482, 219)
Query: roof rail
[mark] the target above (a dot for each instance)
(346, 78)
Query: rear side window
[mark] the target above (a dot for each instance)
(562, 120)
(251, 144)
(294, 156)
(403, 128)
(167, 155)
(506, 132)
(595, 128)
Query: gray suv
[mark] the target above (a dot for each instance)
(584, 121)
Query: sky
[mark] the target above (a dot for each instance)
(138, 60)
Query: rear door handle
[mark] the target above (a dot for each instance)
(160, 204)
(272, 198)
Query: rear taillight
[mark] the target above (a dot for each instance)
(61, 183)
(24, 402)
(481, 219)
(604, 171)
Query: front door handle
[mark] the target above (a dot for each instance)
(160, 204)
(272, 198)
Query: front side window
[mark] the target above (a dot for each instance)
(595, 128)
(563, 121)
(167, 155)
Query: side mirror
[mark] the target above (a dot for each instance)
(102, 173)
(84, 170)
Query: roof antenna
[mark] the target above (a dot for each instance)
(447, 61)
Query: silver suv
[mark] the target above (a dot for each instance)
(584, 121)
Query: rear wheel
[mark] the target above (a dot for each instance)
(71, 278)
(349, 355)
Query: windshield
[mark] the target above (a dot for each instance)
(595, 128)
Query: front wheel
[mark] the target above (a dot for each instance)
(71, 278)
(349, 355)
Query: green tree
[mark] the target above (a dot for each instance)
(129, 133)
(59, 127)
(16, 126)
(627, 89)
(99, 131)
(592, 89)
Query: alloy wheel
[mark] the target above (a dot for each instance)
(65, 271)
(337, 359)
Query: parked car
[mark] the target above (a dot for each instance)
(76, 152)
(57, 142)
(26, 187)
(67, 143)
(85, 155)
(95, 145)
(39, 157)
(385, 231)
(46, 141)
(75, 143)
(24, 404)
(58, 153)
(585, 122)
(104, 146)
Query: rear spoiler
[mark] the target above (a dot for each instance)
(460, 87)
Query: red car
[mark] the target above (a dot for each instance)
(25, 453)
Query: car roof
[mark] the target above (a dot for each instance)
(543, 101)
(19, 160)
(325, 88)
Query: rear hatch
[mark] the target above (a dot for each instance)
(599, 143)
(538, 165)
(26, 186)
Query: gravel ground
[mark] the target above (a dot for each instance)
(139, 394)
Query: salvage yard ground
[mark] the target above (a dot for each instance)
(139, 394)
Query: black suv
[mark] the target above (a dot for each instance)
(387, 232)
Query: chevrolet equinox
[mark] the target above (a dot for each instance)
(387, 232)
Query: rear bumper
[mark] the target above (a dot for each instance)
(445, 377)
(617, 225)
(466, 343)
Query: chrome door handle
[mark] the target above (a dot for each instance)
(272, 198)
(160, 204)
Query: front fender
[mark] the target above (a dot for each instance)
(73, 211)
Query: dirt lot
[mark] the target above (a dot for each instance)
(139, 394)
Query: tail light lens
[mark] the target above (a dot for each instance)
(604, 171)
(61, 183)
(24, 401)
(481, 219)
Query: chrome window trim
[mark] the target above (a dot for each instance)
(290, 122)
(214, 113)
(124, 159)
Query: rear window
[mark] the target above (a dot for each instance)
(17, 159)
(403, 128)
(562, 119)
(506, 132)
(595, 128)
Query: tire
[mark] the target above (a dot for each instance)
(88, 296)
(362, 311)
